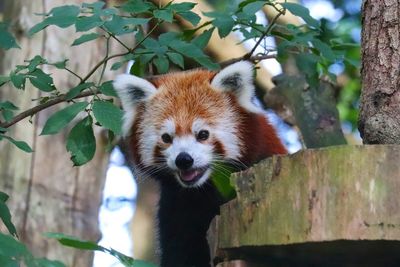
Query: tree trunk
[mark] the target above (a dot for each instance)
(379, 121)
(47, 193)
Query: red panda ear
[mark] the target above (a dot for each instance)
(237, 78)
(133, 90)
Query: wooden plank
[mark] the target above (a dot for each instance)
(333, 198)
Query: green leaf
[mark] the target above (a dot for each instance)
(5, 214)
(206, 62)
(41, 80)
(182, 7)
(324, 49)
(8, 105)
(253, 7)
(75, 242)
(47, 263)
(161, 63)
(96, 6)
(203, 39)
(221, 180)
(176, 59)
(164, 39)
(118, 25)
(38, 27)
(140, 263)
(73, 92)
(302, 12)
(11, 247)
(187, 49)
(155, 46)
(4, 197)
(20, 144)
(85, 23)
(224, 22)
(4, 79)
(81, 142)
(108, 115)
(107, 89)
(85, 38)
(60, 64)
(62, 16)
(164, 14)
(18, 80)
(7, 114)
(61, 118)
(137, 6)
(34, 62)
(117, 65)
(138, 68)
(190, 16)
(7, 41)
(307, 63)
(7, 261)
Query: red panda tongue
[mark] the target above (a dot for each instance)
(190, 175)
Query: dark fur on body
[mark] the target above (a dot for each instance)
(184, 218)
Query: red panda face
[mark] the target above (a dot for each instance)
(187, 122)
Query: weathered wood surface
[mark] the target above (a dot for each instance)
(334, 205)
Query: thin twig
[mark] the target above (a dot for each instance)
(146, 36)
(115, 38)
(105, 63)
(267, 31)
(107, 58)
(98, 65)
(62, 98)
(73, 73)
(52, 102)
(254, 59)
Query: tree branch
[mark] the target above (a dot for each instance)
(62, 98)
(267, 31)
(36, 109)
(253, 59)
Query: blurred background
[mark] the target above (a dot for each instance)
(340, 19)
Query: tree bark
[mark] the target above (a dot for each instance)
(47, 193)
(379, 121)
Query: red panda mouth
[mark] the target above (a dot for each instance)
(192, 175)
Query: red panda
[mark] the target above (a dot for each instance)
(179, 126)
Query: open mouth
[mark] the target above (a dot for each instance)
(191, 176)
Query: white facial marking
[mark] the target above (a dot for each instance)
(199, 125)
(168, 127)
(200, 153)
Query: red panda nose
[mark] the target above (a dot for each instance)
(184, 161)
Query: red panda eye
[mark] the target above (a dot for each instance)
(203, 135)
(166, 138)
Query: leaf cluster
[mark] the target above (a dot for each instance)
(13, 252)
(96, 21)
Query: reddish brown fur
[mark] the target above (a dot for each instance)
(261, 139)
(196, 99)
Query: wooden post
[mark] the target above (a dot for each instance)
(337, 205)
